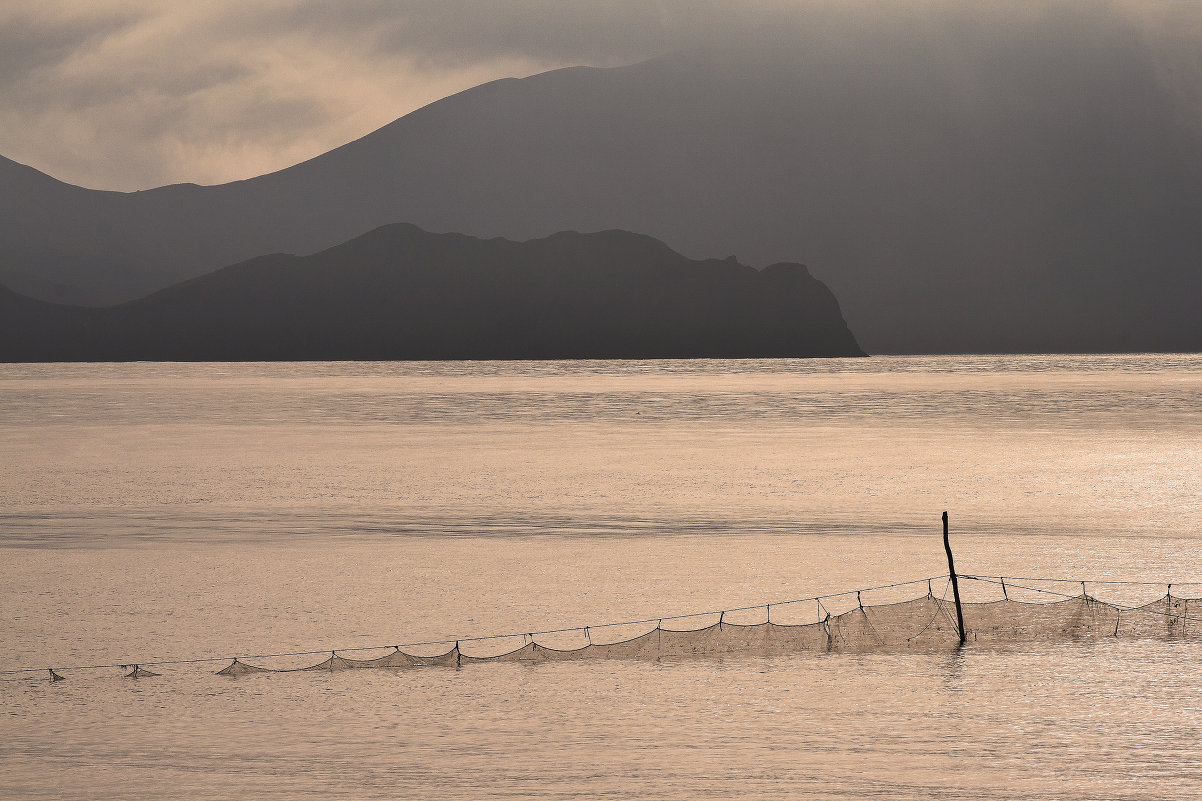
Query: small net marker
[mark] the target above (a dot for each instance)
(588, 636)
(858, 601)
(54, 676)
(139, 673)
(1005, 595)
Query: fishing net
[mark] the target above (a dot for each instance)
(927, 623)
(923, 624)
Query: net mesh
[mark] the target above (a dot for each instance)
(926, 623)
(1037, 611)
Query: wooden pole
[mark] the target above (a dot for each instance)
(951, 569)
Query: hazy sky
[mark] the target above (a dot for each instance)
(122, 94)
(126, 94)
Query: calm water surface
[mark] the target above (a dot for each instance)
(161, 511)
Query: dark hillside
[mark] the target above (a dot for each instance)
(402, 293)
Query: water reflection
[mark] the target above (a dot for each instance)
(175, 510)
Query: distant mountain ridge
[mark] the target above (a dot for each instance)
(1035, 192)
(402, 293)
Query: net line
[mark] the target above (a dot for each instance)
(482, 638)
(922, 623)
(1142, 609)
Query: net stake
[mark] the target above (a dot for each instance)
(951, 569)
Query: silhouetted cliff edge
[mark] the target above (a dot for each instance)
(399, 292)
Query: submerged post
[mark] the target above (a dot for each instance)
(951, 569)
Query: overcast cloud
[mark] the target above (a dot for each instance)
(127, 94)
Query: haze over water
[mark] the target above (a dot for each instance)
(157, 511)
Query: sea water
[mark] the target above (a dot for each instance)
(170, 511)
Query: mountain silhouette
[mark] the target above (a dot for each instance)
(1038, 191)
(402, 293)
